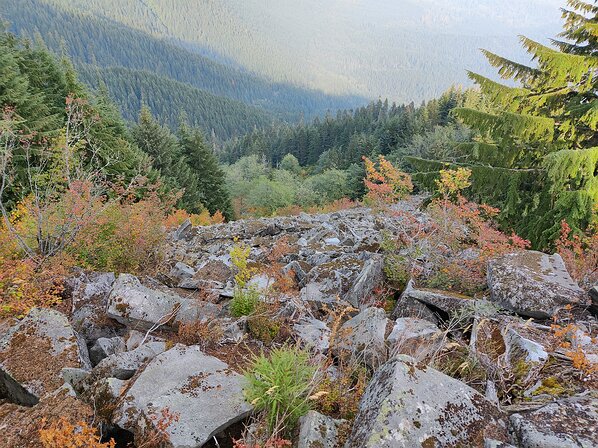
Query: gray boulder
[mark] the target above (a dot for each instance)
(363, 337)
(318, 431)
(414, 337)
(370, 278)
(181, 271)
(448, 302)
(533, 284)
(33, 353)
(124, 365)
(201, 390)
(139, 306)
(89, 292)
(406, 405)
(105, 347)
(313, 333)
(567, 423)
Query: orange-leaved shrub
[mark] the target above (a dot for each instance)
(385, 184)
(125, 236)
(179, 216)
(580, 253)
(122, 235)
(451, 250)
(64, 434)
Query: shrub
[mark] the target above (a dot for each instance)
(239, 255)
(279, 386)
(24, 285)
(452, 182)
(178, 216)
(580, 253)
(339, 395)
(124, 237)
(63, 434)
(264, 327)
(385, 184)
(244, 302)
(205, 334)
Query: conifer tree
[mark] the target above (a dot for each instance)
(167, 157)
(536, 156)
(205, 171)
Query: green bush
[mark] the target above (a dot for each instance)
(245, 301)
(280, 386)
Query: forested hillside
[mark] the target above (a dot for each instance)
(97, 41)
(341, 140)
(51, 122)
(169, 100)
(404, 50)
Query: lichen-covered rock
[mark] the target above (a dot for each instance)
(332, 280)
(533, 284)
(104, 347)
(567, 423)
(34, 351)
(139, 306)
(89, 292)
(201, 390)
(370, 278)
(414, 337)
(448, 302)
(406, 405)
(318, 431)
(407, 306)
(364, 337)
(212, 273)
(313, 333)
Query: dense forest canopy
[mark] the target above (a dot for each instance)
(46, 108)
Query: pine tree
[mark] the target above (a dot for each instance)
(536, 156)
(205, 171)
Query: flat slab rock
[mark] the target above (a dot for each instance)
(567, 423)
(533, 284)
(33, 353)
(134, 304)
(410, 406)
(205, 394)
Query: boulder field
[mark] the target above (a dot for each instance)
(443, 369)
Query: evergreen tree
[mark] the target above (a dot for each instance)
(167, 157)
(206, 171)
(536, 156)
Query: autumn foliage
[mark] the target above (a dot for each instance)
(179, 216)
(385, 184)
(580, 253)
(64, 434)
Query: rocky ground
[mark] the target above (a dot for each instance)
(160, 360)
